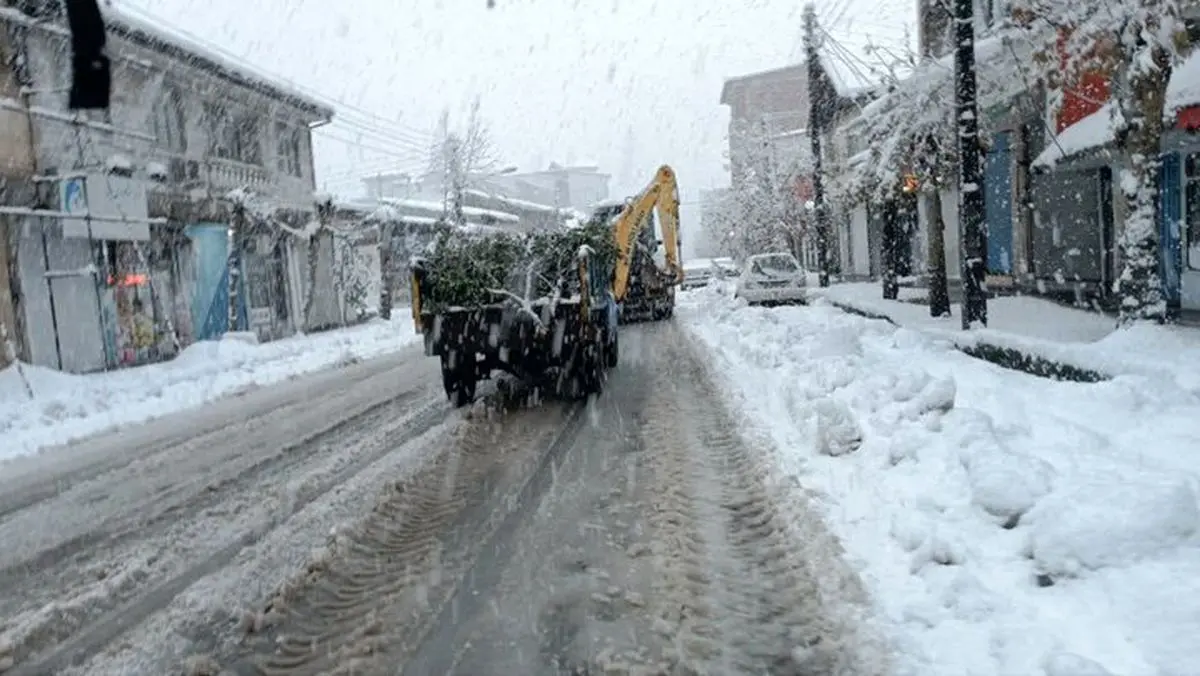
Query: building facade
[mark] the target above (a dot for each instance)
(149, 265)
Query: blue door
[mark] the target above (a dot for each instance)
(998, 208)
(1170, 215)
(210, 300)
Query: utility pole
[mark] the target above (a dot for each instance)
(970, 178)
(817, 110)
(386, 274)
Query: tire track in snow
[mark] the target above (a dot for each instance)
(369, 603)
(738, 593)
(371, 432)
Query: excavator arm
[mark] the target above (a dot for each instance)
(662, 195)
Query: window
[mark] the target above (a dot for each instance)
(1191, 208)
(233, 138)
(220, 131)
(774, 265)
(246, 140)
(287, 149)
(169, 122)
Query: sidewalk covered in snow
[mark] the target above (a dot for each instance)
(1043, 329)
(41, 407)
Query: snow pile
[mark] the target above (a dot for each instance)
(67, 407)
(1004, 524)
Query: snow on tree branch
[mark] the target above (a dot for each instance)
(761, 209)
(912, 129)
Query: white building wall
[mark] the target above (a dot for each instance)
(950, 218)
(859, 243)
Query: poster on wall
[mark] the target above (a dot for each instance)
(116, 206)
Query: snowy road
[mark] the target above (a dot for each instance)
(100, 536)
(635, 535)
(351, 522)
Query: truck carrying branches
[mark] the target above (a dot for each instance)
(544, 306)
(537, 306)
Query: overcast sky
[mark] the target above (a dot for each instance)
(628, 84)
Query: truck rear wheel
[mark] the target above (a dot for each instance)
(591, 373)
(459, 381)
(612, 351)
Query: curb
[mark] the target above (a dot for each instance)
(1004, 357)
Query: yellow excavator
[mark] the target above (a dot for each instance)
(642, 289)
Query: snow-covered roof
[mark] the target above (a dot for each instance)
(437, 208)
(1094, 131)
(129, 25)
(514, 202)
(1184, 88)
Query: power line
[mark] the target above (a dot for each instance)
(365, 118)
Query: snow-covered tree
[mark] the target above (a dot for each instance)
(1136, 44)
(456, 156)
(762, 206)
(354, 277)
(912, 132)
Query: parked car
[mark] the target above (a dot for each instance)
(726, 268)
(772, 278)
(698, 272)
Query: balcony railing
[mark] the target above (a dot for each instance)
(230, 174)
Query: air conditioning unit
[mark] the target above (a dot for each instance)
(177, 170)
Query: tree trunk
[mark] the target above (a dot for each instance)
(889, 250)
(233, 266)
(310, 286)
(817, 112)
(386, 277)
(1140, 285)
(970, 177)
(939, 288)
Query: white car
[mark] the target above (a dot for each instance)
(772, 278)
(726, 268)
(698, 273)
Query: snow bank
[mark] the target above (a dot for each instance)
(1004, 524)
(67, 407)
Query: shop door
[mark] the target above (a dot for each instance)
(997, 183)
